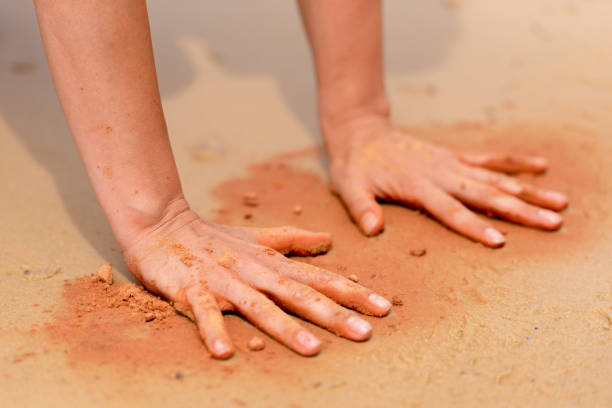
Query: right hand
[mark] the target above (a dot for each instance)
(370, 159)
(205, 268)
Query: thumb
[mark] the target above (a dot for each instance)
(286, 240)
(295, 241)
(364, 209)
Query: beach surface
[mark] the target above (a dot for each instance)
(526, 325)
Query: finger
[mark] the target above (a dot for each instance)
(286, 240)
(553, 200)
(301, 299)
(317, 308)
(262, 312)
(210, 323)
(505, 163)
(291, 240)
(505, 206)
(334, 286)
(363, 208)
(450, 212)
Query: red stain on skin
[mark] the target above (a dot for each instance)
(107, 171)
(183, 253)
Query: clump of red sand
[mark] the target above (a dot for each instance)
(105, 323)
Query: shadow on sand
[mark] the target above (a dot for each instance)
(245, 39)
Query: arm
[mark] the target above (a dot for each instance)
(101, 59)
(346, 41)
(370, 159)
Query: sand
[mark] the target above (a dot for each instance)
(528, 325)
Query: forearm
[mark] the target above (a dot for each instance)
(101, 60)
(346, 41)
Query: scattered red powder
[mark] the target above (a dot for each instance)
(444, 281)
(104, 323)
(186, 257)
(124, 324)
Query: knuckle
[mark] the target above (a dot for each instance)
(414, 189)
(494, 192)
(295, 268)
(324, 279)
(460, 215)
(490, 195)
(464, 183)
(207, 304)
(284, 281)
(305, 295)
(341, 316)
(262, 308)
(261, 251)
(504, 201)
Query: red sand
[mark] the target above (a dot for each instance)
(104, 323)
(108, 324)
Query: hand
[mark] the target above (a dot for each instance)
(204, 269)
(370, 159)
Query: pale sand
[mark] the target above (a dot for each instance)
(238, 77)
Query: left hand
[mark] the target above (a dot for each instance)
(205, 268)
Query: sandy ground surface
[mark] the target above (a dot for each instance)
(528, 325)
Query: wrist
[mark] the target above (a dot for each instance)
(137, 223)
(353, 127)
(341, 105)
(176, 215)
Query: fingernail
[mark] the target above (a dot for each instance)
(307, 340)
(379, 301)
(359, 326)
(555, 196)
(550, 217)
(221, 348)
(369, 222)
(494, 236)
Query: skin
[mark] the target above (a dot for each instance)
(370, 158)
(210, 268)
(102, 64)
(101, 60)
